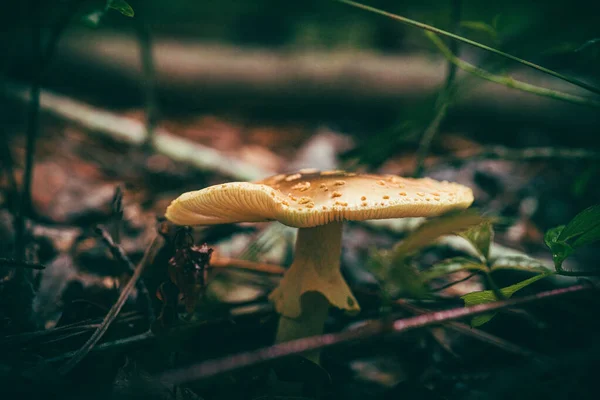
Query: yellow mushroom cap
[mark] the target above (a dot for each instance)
(309, 198)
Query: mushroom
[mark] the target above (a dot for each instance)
(317, 203)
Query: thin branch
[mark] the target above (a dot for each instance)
(130, 131)
(119, 254)
(473, 43)
(444, 98)
(506, 80)
(450, 284)
(226, 262)
(83, 326)
(234, 362)
(7, 262)
(473, 332)
(236, 311)
(136, 339)
(151, 252)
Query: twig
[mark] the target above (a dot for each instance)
(84, 326)
(136, 339)
(226, 262)
(176, 331)
(213, 367)
(134, 132)
(119, 254)
(443, 101)
(473, 332)
(117, 214)
(506, 80)
(450, 284)
(151, 252)
(430, 28)
(524, 154)
(7, 262)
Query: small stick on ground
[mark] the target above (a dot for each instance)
(151, 252)
(473, 332)
(225, 262)
(133, 132)
(234, 362)
(119, 254)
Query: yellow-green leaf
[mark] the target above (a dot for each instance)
(121, 6)
(488, 296)
(480, 236)
(434, 228)
(451, 266)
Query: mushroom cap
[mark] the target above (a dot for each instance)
(311, 198)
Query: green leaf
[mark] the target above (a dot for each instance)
(582, 230)
(394, 268)
(400, 278)
(480, 236)
(121, 6)
(552, 235)
(583, 181)
(488, 296)
(406, 281)
(591, 236)
(583, 222)
(378, 264)
(434, 228)
(520, 263)
(451, 266)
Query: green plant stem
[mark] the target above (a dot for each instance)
(473, 43)
(508, 81)
(561, 271)
(443, 101)
(430, 132)
(494, 287)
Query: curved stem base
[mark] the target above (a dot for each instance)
(315, 308)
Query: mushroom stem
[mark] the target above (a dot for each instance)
(312, 283)
(315, 308)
